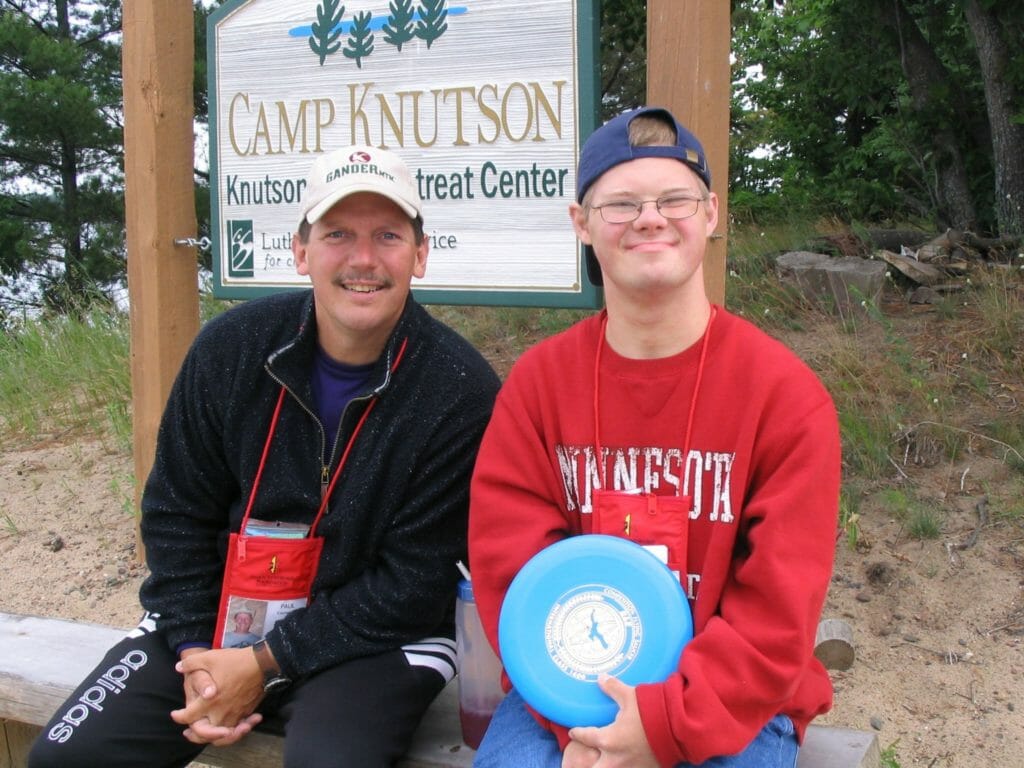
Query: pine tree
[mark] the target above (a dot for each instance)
(399, 27)
(61, 184)
(360, 41)
(432, 24)
(324, 40)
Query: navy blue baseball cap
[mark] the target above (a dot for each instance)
(609, 146)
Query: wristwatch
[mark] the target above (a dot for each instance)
(273, 679)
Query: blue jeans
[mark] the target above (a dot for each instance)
(515, 740)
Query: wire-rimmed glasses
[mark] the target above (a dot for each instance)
(670, 206)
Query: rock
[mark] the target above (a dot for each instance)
(846, 285)
(924, 295)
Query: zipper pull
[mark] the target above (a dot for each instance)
(325, 481)
(241, 548)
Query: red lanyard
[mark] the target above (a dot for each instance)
(693, 401)
(341, 462)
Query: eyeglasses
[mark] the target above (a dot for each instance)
(671, 207)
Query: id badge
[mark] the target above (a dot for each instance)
(265, 579)
(658, 523)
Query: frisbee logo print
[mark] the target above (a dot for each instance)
(592, 629)
(406, 22)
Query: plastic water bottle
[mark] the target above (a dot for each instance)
(479, 669)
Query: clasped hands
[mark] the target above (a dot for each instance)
(222, 690)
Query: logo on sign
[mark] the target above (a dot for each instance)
(242, 247)
(407, 21)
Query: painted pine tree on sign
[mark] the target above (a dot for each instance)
(360, 41)
(324, 40)
(433, 20)
(398, 30)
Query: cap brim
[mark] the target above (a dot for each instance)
(318, 210)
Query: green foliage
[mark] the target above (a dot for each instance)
(817, 95)
(324, 40)
(66, 374)
(399, 29)
(924, 522)
(921, 520)
(200, 13)
(360, 41)
(863, 109)
(60, 148)
(849, 518)
(889, 756)
(433, 20)
(623, 56)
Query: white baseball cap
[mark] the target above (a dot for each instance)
(358, 168)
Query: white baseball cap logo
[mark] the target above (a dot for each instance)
(344, 172)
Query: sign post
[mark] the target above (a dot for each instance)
(159, 208)
(688, 46)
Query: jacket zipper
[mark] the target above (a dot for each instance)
(325, 467)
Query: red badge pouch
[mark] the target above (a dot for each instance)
(658, 523)
(271, 566)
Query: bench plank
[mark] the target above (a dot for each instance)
(42, 660)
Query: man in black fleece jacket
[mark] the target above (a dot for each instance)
(376, 411)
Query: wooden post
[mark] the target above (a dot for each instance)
(157, 66)
(688, 44)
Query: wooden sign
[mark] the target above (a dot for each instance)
(485, 100)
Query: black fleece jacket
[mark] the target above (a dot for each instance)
(396, 523)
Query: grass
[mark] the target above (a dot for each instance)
(932, 387)
(849, 519)
(889, 756)
(944, 383)
(65, 376)
(919, 519)
(10, 525)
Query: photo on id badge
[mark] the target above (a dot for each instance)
(250, 619)
(246, 619)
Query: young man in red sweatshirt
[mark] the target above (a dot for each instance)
(668, 401)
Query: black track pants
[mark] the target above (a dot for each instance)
(360, 714)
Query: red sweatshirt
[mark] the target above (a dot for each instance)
(763, 467)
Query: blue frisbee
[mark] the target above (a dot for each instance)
(584, 606)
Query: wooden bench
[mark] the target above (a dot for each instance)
(42, 661)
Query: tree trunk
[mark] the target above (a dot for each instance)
(925, 73)
(1001, 98)
(69, 296)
